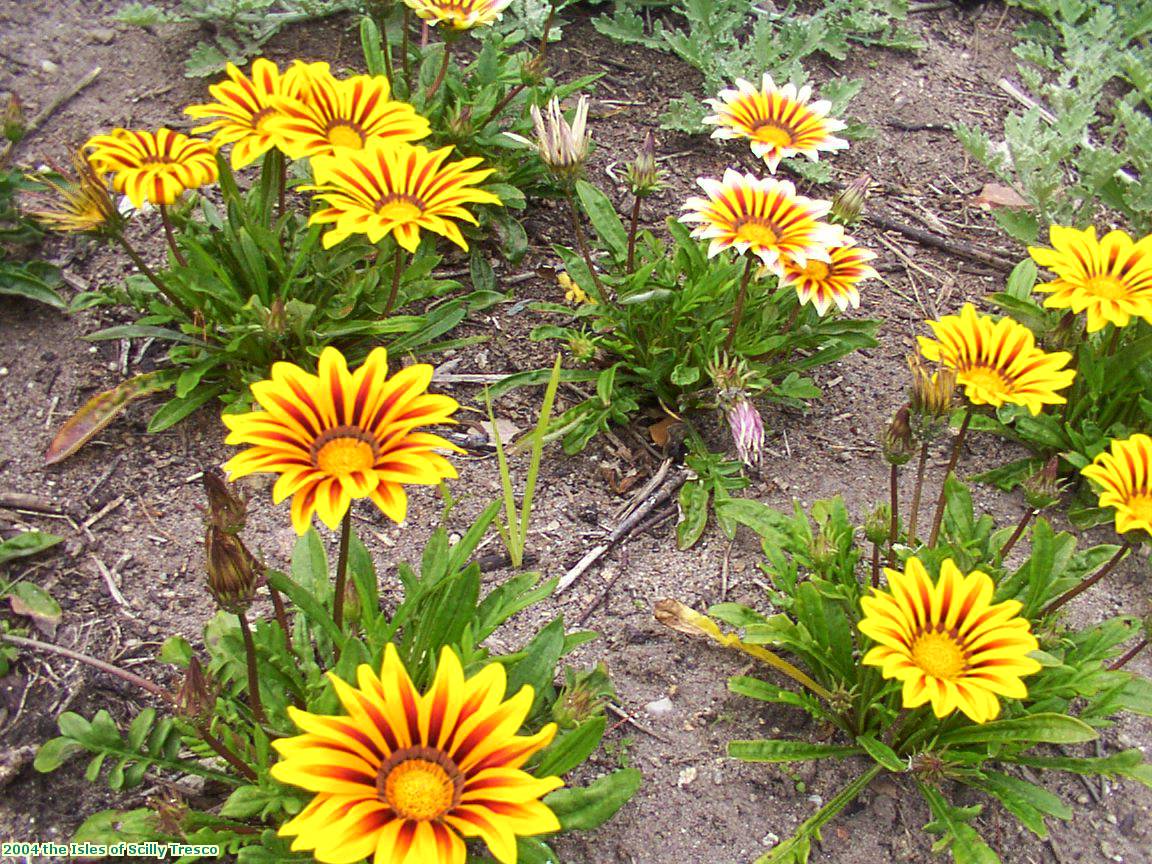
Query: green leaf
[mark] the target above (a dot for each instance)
(175, 410)
(1026, 801)
(882, 753)
(604, 219)
(571, 748)
(176, 651)
(694, 497)
(55, 752)
(20, 281)
(1031, 729)
(589, 807)
(27, 543)
(34, 602)
(956, 835)
(98, 412)
(775, 750)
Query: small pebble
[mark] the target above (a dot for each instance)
(49, 67)
(687, 776)
(659, 707)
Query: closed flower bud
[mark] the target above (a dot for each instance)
(562, 145)
(898, 445)
(195, 700)
(232, 570)
(275, 318)
(83, 205)
(877, 524)
(931, 401)
(583, 347)
(583, 696)
(823, 551)
(226, 509)
(644, 177)
(747, 430)
(460, 123)
(1042, 489)
(15, 125)
(848, 203)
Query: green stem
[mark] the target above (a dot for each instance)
(914, 512)
(404, 49)
(171, 235)
(1016, 535)
(875, 565)
(1129, 654)
(342, 570)
(953, 459)
(582, 242)
(501, 105)
(152, 277)
(397, 270)
(144, 684)
(632, 235)
(253, 672)
(1085, 584)
(894, 516)
(440, 75)
(738, 311)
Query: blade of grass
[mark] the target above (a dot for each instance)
(511, 537)
(537, 451)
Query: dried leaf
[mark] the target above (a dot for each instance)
(504, 427)
(34, 602)
(97, 413)
(659, 431)
(994, 195)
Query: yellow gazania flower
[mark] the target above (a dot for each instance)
(404, 777)
(337, 435)
(948, 642)
(823, 283)
(778, 121)
(82, 205)
(153, 166)
(765, 217)
(459, 14)
(244, 105)
(997, 361)
(1125, 479)
(337, 116)
(1110, 279)
(398, 189)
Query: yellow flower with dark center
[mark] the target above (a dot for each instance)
(459, 14)
(336, 116)
(823, 283)
(405, 776)
(338, 435)
(397, 189)
(765, 217)
(779, 122)
(82, 205)
(947, 641)
(157, 167)
(1124, 476)
(1110, 279)
(997, 361)
(244, 106)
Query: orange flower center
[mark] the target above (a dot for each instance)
(758, 232)
(420, 783)
(260, 118)
(1139, 505)
(817, 270)
(344, 450)
(771, 132)
(345, 135)
(1106, 287)
(156, 159)
(400, 208)
(984, 378)
(939, 655)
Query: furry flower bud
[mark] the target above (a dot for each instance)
(897, 444)
(747, 430)
(226, 509)
(848, 203)
(644, 176)
(232, 570)
(931, 398)
(1042, 489)
(562, 145)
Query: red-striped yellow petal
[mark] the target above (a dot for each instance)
(1123, 474)
(765, 217)
(1109, 279)
(157, 167)
(947, 642)
(339, 435)
(387, 779)
(459, 14)
(823, 283)
(399, 189)
(998, 362)
(778, 122)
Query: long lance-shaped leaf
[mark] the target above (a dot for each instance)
(98, 412)
(682, 619)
